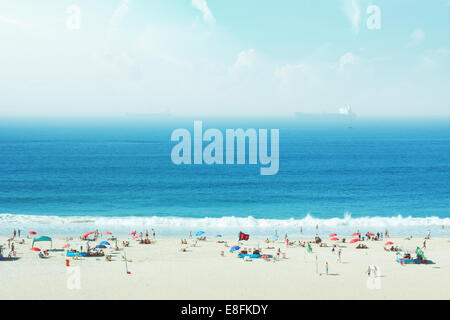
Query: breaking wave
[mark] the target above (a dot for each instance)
(226, 226)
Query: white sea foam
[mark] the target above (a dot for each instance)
(226, 226)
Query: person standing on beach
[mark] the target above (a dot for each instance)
(190, 234)
(154, 233)
(424, 244)
(301, 230)
(18, 232)
(14, 233)
(326, 267)
(339, 255)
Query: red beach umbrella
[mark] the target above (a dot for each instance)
(371, 234)
(388, 243)
(87, 234)
(334, 239)
(132, 233)
(355, 234)
(138, 236)
(35, 249)
(66, 246)
(107, 233)
(354, 240)
(32, 232)
(333, 234)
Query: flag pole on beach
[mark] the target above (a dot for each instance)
(126, 264)
(316, 264)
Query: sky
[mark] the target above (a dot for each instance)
(216, 57)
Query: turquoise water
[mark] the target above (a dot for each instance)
(59, 176)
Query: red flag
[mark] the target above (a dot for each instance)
(243, 236)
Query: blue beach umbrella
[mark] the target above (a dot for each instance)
(199, 233)
(219, 236)
(275, 236)
(105, 243)
(234, 248)
(101, 246)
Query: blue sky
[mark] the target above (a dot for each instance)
(234, 57)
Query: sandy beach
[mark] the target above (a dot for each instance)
(160, 270)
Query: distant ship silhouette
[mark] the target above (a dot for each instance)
(344, 113)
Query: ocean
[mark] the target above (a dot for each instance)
(61, 177)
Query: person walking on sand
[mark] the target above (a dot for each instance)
(339, 255)
(424, 244)
(369, 270)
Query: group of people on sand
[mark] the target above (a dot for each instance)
(44, 254)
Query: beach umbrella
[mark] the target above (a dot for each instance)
(101, 246)
(355, 234)
(138, 236)
(354, 240)
(66, 246)
(388, 243)
(35, 249)
(333, 234)
(86, 234)
(219, 236)
(32, 233)
(334, 239)
(107, 233)
(234, 248)
(132, 233)
(275, 236)
(199, 233)
(371, 234)
(105, 243)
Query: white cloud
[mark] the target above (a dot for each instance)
(203, 7)
(16, 23)
(417, 37)
(353, 13)
(246, 58)
(348, 58)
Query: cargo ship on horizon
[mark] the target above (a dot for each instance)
(345, 113)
